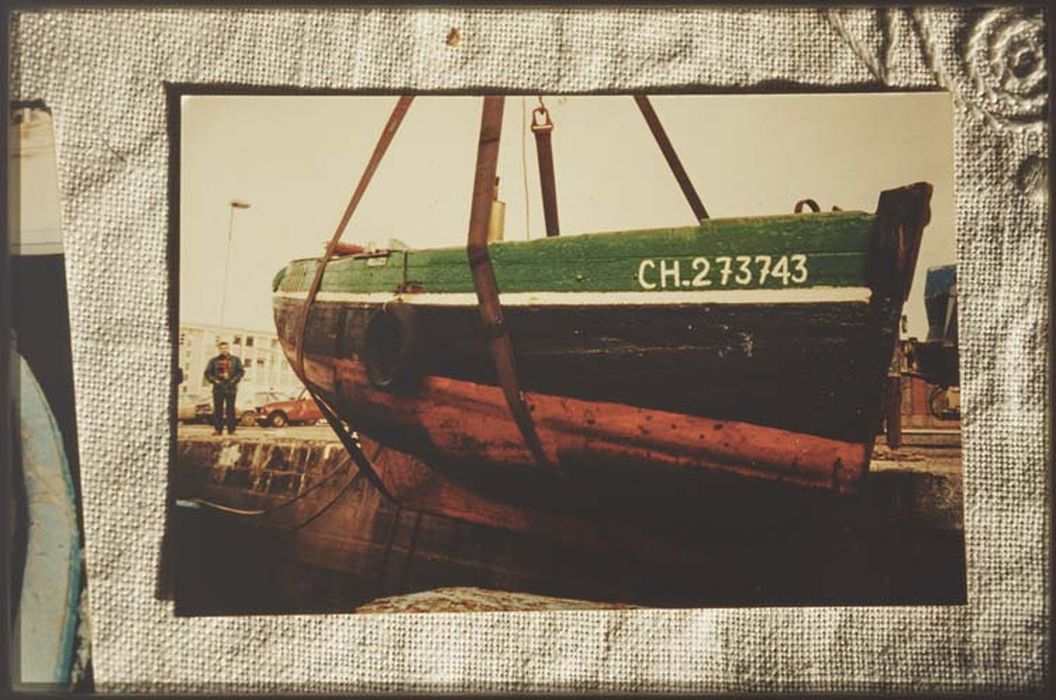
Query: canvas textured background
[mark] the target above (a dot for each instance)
(102, 73)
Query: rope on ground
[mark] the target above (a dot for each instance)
(329, 504)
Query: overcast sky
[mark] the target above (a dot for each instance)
(296, 160)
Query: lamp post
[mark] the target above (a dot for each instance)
(232, 205)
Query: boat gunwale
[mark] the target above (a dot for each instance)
(702, 227)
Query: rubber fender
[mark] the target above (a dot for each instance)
(392, 349)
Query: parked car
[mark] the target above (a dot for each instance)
(194, 409)
(301, 410)
(199, 409)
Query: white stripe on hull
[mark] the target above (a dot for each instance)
(796, 295)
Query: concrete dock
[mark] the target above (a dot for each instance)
(277, 520)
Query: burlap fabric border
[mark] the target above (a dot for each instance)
(102, 73)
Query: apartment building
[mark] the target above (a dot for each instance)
(266, 367)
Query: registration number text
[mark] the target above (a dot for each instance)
(723, 271)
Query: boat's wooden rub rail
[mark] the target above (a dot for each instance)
(803, 295)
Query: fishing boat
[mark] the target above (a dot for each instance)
(570, 366)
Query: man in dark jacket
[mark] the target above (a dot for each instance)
(224, 372)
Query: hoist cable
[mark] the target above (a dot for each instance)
(673, 162)
(399, 111)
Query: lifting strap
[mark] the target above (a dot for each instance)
(352, 446)
(542, 130)
(398, 113)
(343, 433)
(484, 275)
(672, 158)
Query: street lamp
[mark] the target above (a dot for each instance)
(233, 205)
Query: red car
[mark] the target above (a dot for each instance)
(299, 411)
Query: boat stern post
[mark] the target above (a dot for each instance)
(901, 215)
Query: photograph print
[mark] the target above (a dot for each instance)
(483, 352)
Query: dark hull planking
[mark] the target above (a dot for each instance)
(809, 368)
(627, 400)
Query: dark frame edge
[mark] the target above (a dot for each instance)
(165, 569)
(1048, 14)
(8, 377)
(9, 389)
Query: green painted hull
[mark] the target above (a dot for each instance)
(830, 249)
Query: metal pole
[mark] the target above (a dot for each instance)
(232, 205)
(227, 262)
(893, 412)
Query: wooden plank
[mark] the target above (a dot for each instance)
(834, 245)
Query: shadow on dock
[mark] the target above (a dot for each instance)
(300, 531)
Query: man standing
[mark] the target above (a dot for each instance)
(224, 372)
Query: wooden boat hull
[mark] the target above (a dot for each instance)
(639, 374)
(465, 423)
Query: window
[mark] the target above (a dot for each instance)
(260, 362)
(238, 340)
(249, 341)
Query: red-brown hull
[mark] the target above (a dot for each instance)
(464, 422)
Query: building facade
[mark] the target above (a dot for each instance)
(266, 367)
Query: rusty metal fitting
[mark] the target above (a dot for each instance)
(546, 124)
(808, 202)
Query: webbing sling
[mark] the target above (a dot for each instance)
(352, 446)
(671, 157)
(484, 275)
(545, 152)
(350, 443)
(398, 113)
